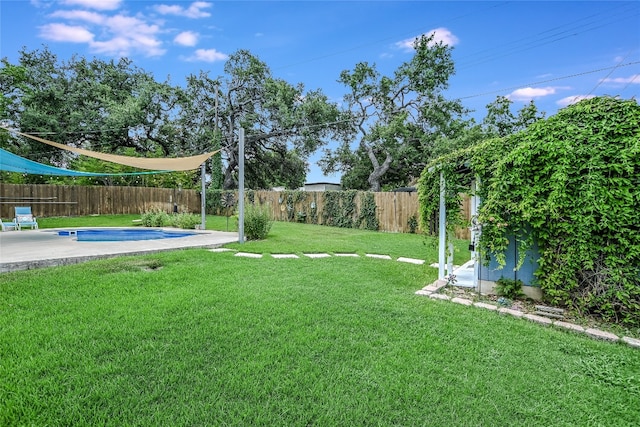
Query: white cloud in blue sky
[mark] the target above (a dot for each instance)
(186, 38)
(195, 10)
(633, 79)
(529, 93)
(94, 4)
(207, 55)
(66, 33)
(572, 99)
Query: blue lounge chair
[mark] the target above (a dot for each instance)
(6, 225)
(24, 218)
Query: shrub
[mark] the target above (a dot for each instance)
(509, 288)
(412, 223)
(155, 217)
(257, 222)
(185, 220)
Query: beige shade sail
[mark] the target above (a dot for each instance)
(161, 163)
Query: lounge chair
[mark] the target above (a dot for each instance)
(24, 218)
(6, 225)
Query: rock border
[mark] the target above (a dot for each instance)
(432, 292)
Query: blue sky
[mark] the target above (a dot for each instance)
(553, 52)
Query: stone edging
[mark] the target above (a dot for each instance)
(432, 292)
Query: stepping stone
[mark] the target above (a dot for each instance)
(411, 260)
(423, 292)
(321, 255)
(440, 296)
(462, 301)
(435, 286)
(248, 255)
(378, 256)
(348, 255)
(220, 250)
(282, 256)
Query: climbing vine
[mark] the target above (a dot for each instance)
(367, 218)
(340, 208)
(571, 183)
(292, 200)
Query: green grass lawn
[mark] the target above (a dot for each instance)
(193, 337)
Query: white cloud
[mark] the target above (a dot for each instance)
(193, 11)
(120, 35)
(439, 35)
(623, 80)
(66, 33)
(207, 55)
(186, 38)
(95, 4)
(80, 15)
(572, 99)
(130, 34)
(529, 93)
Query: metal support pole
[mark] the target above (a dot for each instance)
(203, 219)
(442, 243)
(241, 186)
(475, 233)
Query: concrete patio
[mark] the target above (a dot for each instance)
(29, 249)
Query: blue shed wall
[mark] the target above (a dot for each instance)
(525, 273)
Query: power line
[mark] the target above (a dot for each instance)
(609, 73)
(554, 36)
(630, 81)
(550, 80)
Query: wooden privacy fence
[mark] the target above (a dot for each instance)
(395, 211)
(76, 200)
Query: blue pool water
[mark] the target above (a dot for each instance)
(123, 234)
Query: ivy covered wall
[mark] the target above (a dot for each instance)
(571, 184)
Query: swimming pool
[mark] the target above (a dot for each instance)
(123, 234)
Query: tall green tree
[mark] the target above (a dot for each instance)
(110, 106)
(501, 121)
(283, 123)
(398, 118)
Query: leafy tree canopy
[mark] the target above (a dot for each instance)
(396, 119)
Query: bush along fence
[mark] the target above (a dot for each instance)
(389, 211)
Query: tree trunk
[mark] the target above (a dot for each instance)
(378, 169)
(230, 182)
